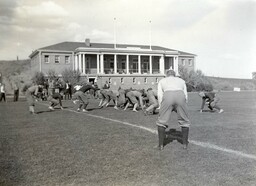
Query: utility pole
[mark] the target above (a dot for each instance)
(150, 40)
(115, 33)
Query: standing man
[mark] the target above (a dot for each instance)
(106, 85)
(51, 87)
(172, 96)
(212, 100)
(2, 92)
(16, 92)
(67, 93)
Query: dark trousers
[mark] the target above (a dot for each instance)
(2, 96)
(16, 95)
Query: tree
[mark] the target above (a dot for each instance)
(52, 75)
(71, 76)
(254, 75)
(38, 78)
(195, 80)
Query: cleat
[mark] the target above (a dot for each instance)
(78, 110)
(221, 110)
(134, 110)
(85, 110)
(145, 112)
(51, 108)
(61, 108)
(115, 107)
(160, 148)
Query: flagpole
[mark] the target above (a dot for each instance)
(114, 32)
(150, 47)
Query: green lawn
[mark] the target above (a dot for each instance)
(109, 147)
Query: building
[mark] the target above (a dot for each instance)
(121, 64)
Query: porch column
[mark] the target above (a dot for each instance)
(80, 63)
(139, 64)
(40, 61)
(176, 65)
(102, 63)
(150, 64)
(161, 64)
(98, 63)
(115, 64)
(76, 62)
(127, 64)
(83, 70)
(73, 61)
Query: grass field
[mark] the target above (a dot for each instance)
(109, 147)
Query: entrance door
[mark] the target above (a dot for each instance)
(92, 80)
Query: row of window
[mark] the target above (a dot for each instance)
(134, 80)
(190, 62)
(56, 59)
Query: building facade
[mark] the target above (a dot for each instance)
(128, 66)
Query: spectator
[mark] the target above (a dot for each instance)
(16, 92)
(2, 92)
(106, 85)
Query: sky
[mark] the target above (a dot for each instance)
(222, 33)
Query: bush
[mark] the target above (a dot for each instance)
(195, 80)
(71, 76)
(52, 75)
(38, 78)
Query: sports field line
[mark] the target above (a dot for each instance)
(198, 143)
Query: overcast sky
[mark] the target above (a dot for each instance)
(222, 33)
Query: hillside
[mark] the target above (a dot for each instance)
(230, 83)
(15, 71)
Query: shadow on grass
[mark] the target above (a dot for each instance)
(43, 111)
(171, 135)
(96, 108)
(210, 111)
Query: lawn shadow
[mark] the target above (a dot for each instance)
(43, 111)
(209, 111)
(96, 108)
(171, 135)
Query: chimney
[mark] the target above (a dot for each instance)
(87, 42)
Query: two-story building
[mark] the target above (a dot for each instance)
(123, 65)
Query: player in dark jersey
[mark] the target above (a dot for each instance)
(82, 97)
(211, 99)
(54, 100)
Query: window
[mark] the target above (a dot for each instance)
(190, 62)
(57, 59)
(134, 80)
(46, 59)
(122, 80)
(67, 60)
(111, 64)
(183, 62)
(135, 67)
(123, 66)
